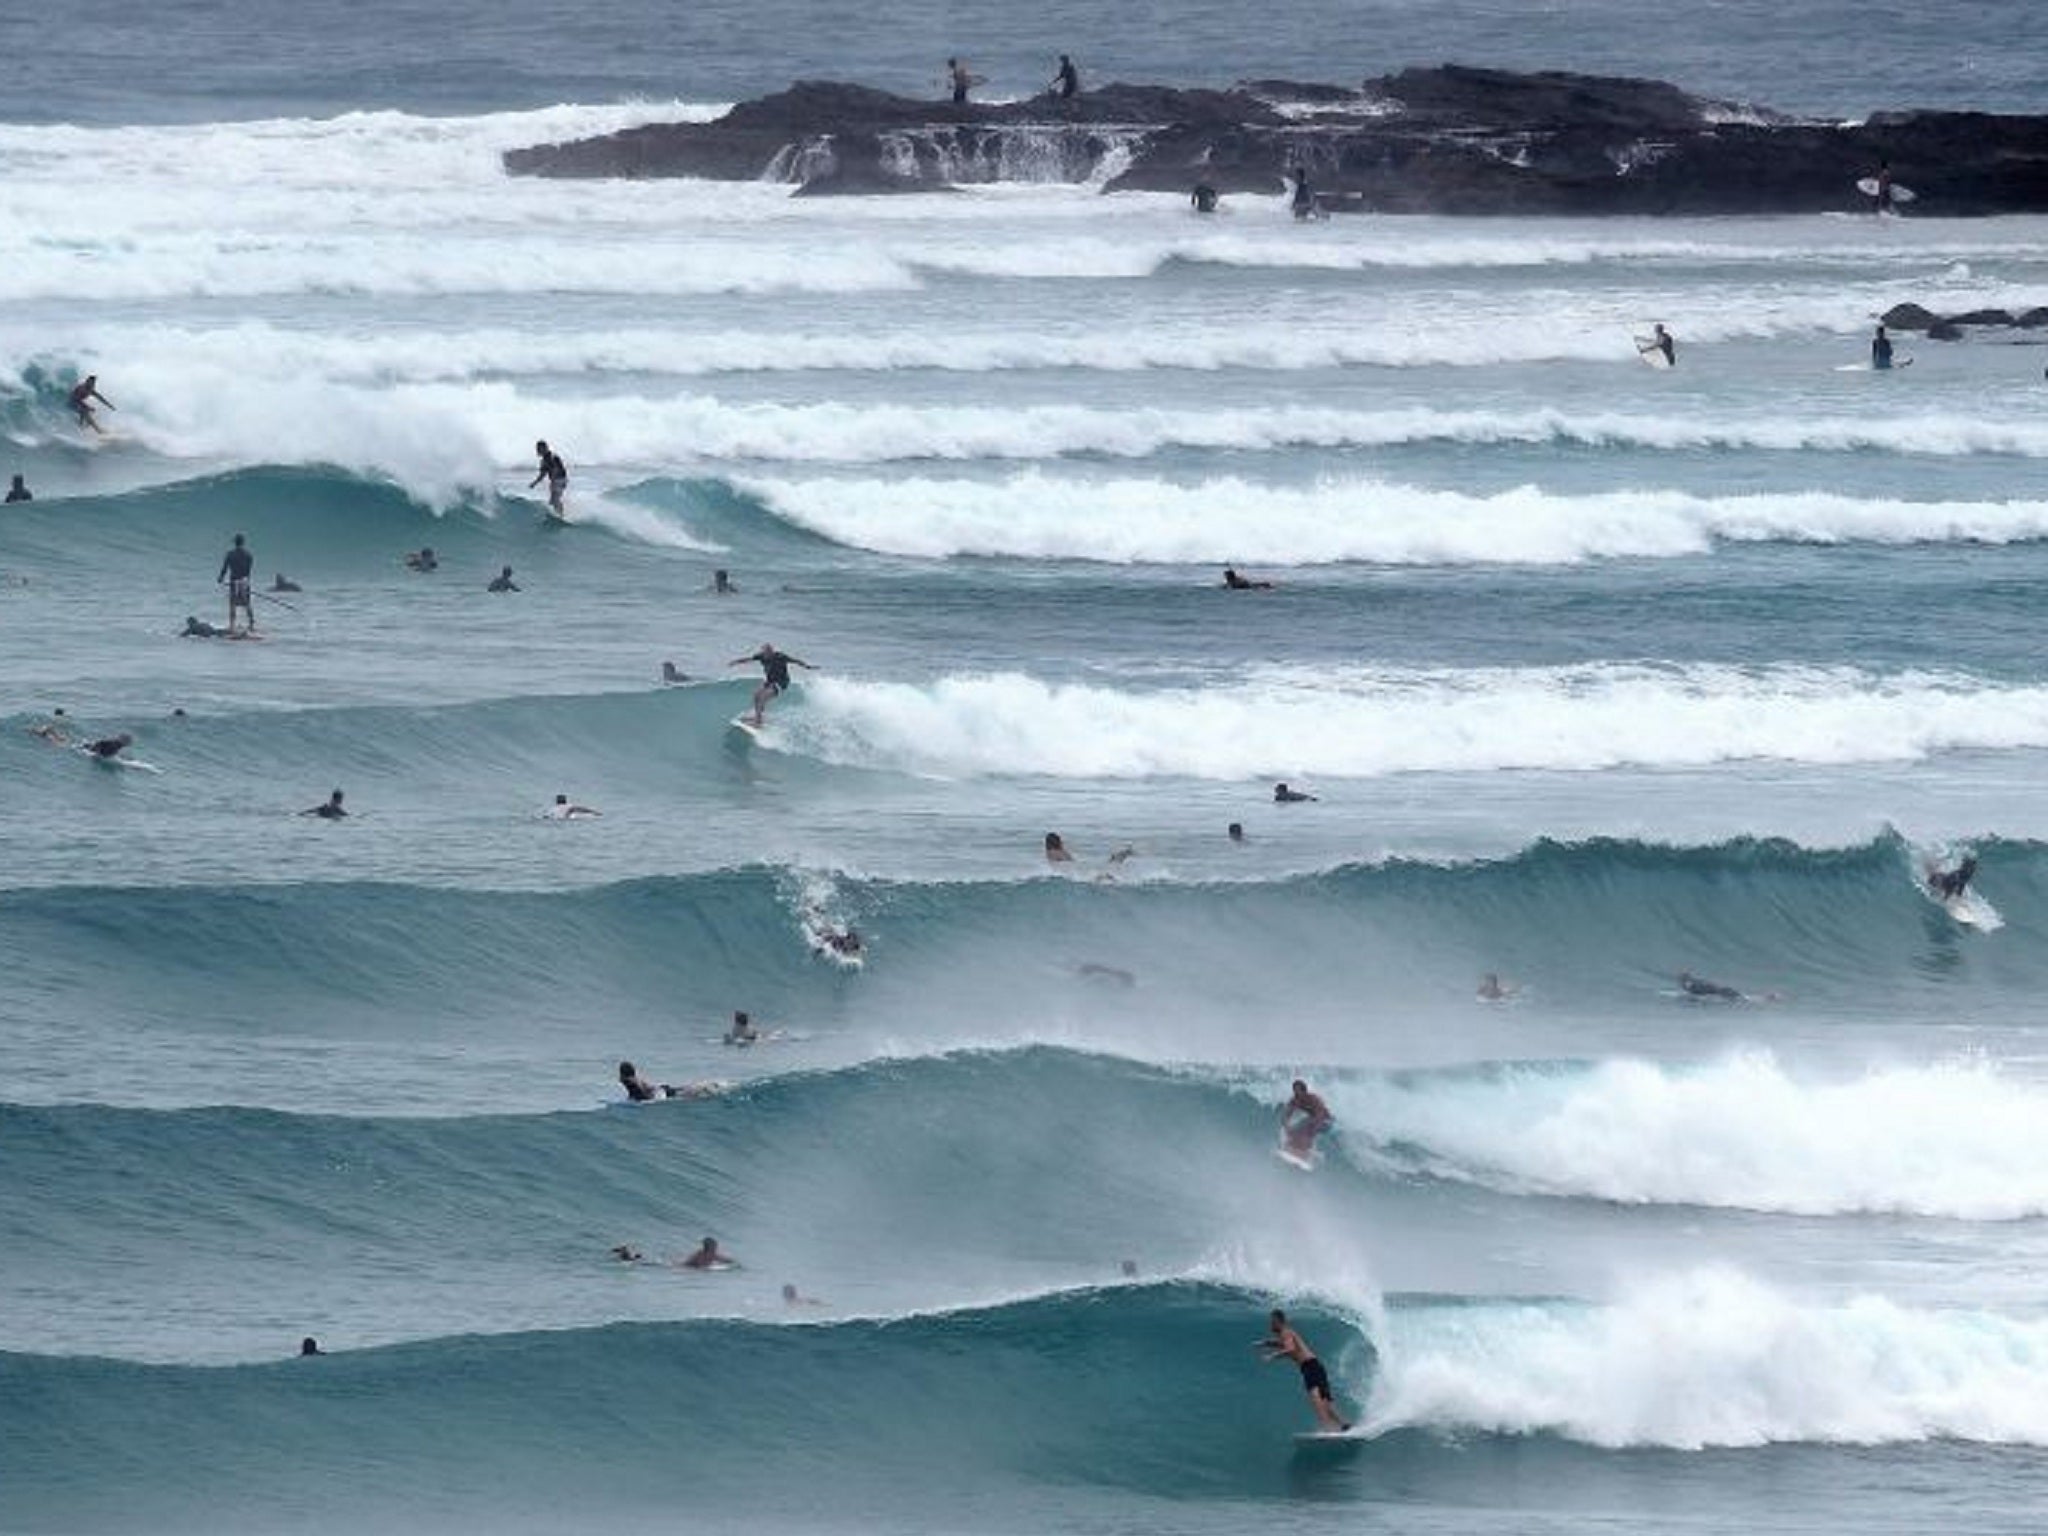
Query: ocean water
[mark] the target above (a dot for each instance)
(1599, 673)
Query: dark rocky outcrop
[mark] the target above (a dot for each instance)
(1915, 317)
(1445, 140)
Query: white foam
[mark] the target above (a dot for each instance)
(1957, 1140)
(1715, 1358)
(1367, 722)
(1038, 516)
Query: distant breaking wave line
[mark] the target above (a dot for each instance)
(1375, 721)
(1035, 516)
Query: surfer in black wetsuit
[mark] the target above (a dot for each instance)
(1880, 351)
(235, 567)
(81, 399)
(1883, 197)
(1660, 341)
(721, 583)
(743, 1031)
(552, 470)
(107, 748)
(1237, 583)
(18, 491)
(1304, 196)
(328, 809)
(1282, 795)
(503, 582)
(1283, 1343)
(775, 666)
(1949, 885)
(283, 583)
(197, 628)
(1203, 197)
(1066, 83)
(1699, 986)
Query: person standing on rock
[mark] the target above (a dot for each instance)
(962, 80)
(1066, 83)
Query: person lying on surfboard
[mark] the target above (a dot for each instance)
(1283, 1343)
(1303, 1118)
(775, 667)
(1237, 583)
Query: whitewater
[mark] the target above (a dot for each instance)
(1600, 676)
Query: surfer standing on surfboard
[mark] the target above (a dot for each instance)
(775, 666)
(235, 567)
(81, 398)
(1283, 1343)
(552, 470)
(1303, 1118)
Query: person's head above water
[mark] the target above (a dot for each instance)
(1053, 841)
(1237, 831)
(507, 571)
(1300, 1087)
(627, 1070)
(239, 541)
(335, 798)
(788, 1292)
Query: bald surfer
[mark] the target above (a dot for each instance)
(775, 667)
(1282, 1342)
(81, 398)
(235, 567)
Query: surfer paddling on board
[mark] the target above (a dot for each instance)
(1708, 991)
(1303, 1118)
(1283, 1343)
(107, 748)
(1659, 340)
(329, 809)
(1282, 795)
(552, 470)
(81, 398)
(235, 567)
(1238, 583)
(775, 667)
(640, 1091)
(1953, 884)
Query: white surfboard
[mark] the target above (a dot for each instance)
(1651, 354)
(745, 726)
(135, 763)
(1351, 1436)
(1306, 1162)
(1868, 187)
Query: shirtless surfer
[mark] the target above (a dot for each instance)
(1283, 1343)
(235, 567)
(639, 1090)
(1303, 1118)
(81, 398)
(1238, 583)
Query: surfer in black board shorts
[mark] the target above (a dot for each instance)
(775, 667)
(235, 567)
(81, 399)
(1283, 1343)
(552, 470)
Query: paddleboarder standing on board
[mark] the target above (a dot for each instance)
(775, 666)
(1283, 1343)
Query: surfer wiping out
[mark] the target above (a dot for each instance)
(1951, 884)
(81, 398)
(775, 667)
(1283, 1343)
(1303, 1118)
(235, 567)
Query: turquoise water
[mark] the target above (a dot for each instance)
(1599, 674)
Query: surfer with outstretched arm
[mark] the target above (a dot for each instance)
(1303, 1118)
(235, 567)
(1283, 1343)
(775, 667)
(1659, 340)
(81, 398)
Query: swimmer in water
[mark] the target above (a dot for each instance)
(721, 584)
(1493, 990)
(197, 628)
(424, 560)
(1056, 849)
(565, 810)
(1283, 1343)
(708, 1256)
(19, 491)
(283, 583)
(1235, 832)
(328, 810)
(1282, 795)
(503, 582)
(743, 1031)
